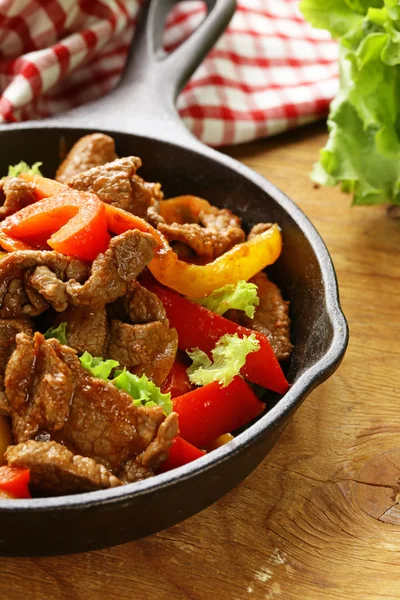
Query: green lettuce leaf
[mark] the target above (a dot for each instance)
(143, 391)
(229, 356)
(59, 333)
(363, 150)
(23, 167)
(97, 366)
(240, 295)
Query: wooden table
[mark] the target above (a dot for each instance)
(318, 520)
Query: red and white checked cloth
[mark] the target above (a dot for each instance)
(269, 72)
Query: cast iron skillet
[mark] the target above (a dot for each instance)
(141, 116)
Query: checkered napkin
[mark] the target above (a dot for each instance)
(270, 71)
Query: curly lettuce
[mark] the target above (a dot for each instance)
(59, 333)
(363, 150)
(141, 389)
(228, 357)
(23, 167)
(240, 295)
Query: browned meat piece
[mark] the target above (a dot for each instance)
(31, 280)
(132, 471)
(143, 465)
(17, 297)
(157, 451)
(8, 330)
(257, 229)
(271, 316)
(138, 306)
(126, 257)
(15, 193)
(49, 287)
(86, 330)
(208, 234)
(55, 471)
(145, 198)
(101, 421)
(90, 151)
(116, 183)
(149, 348)
(111, 182)
(142, 306)
(39, 387)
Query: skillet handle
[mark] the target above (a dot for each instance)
(144, 101)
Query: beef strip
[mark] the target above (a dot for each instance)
(257, 229)
(132, 471)
(271, 316)
(146, 346)
(18, 298)
(111, 273)
(39, 387)
(99, 421)
(208, 234)
(143, 465)
(55, 471)
(33, 280)
(8, 330)
(116, 183)
(149, 348)
(49, 287)
(142, 306)
(89, 151)
(86, 330)
(15, 193)
(157, 451)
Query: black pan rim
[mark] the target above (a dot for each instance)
(310, 379)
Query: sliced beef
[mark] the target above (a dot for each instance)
(111, 273)
(86, 330)
(208, 233)
(145, 345)
(143, 465)
(257, 229)
(157, 451)
(100, 421)
(90, 151)
(15, 193)
(39, 387)
(19, 297)
(55, 471)
(132, 471)
(271, 316)
(149, 348)
(116, 183)
(31, 281)
(49, 287)
(9, 328)
(142, 306)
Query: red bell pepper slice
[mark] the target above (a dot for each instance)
(14, 481)
(118, 220)
(73, 223)
(209, 411)
(180, 453)
(198, 327)
(177, 382)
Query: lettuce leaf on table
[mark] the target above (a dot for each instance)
(363, 150)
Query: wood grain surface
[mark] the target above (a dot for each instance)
(319, 518)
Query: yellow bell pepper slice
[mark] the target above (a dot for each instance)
(242, 262)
